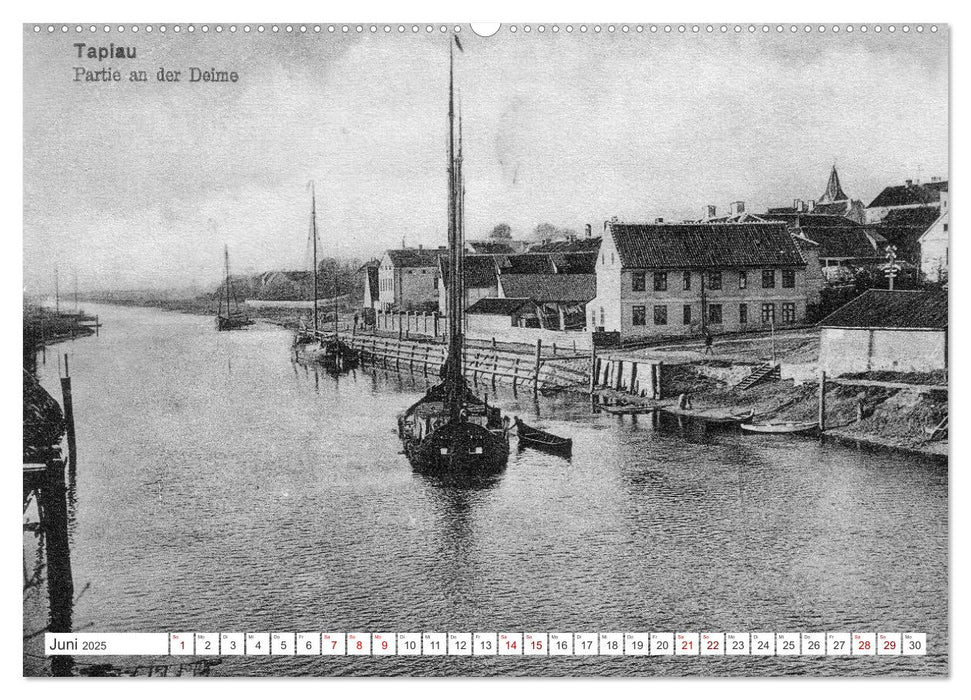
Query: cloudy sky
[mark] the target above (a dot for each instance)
(139, 185)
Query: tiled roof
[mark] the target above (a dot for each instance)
(497, 306)
(491, 247)
(543, 288)
(904, 227)
(881, 308)
(904, 195)
(534, 263)
(372, 282)
(833, 208)
(848, 242)
(480, 270)
(577, 245)
(804, 219)
(693, 246)
(575, 263)
(415, 257)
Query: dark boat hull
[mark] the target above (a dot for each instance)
(542, 440)
(460, 449)
(231, 324)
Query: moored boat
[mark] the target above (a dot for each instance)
(450, 431)
(780, 427)
(230, 319)
(542, 440)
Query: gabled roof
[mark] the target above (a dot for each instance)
(497, 306)
(849, 242)
(480, 270)
(535, 263)
(550, 288)
(693, 246)
(904, 227)
(833, 193)
(575, 263)
(415, 257)
(804, 219)
(881, 308)
(577, 245)
(906, 195)
(491, 247)
(372, 281)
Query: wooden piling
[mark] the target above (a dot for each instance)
(593, 368)
(60, 581)
(539, 362)
(822, 400)
(72, 450)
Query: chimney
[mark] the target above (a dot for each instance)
(909, 183)
(589, 231)
(812, 205)
(797, 205)
(737, 208)
(419, 247)
(711, 211)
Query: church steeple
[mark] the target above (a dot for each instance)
(833, 193)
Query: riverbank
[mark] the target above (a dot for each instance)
(890, 416)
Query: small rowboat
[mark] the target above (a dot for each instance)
(630, 408)
(542, 440)
(781, 427)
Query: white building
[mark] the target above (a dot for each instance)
(899, 331)
(935, 246)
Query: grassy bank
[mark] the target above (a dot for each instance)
(894, 417)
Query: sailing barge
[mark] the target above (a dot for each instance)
(334, 353)
(231, 319)
(451, 431)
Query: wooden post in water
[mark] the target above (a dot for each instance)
(72, 449)
(593, 368)
(822, 400)
(60, 581)
(539, 353)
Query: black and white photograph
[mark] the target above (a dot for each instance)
(486, 350)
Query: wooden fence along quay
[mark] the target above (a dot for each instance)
(482, 364)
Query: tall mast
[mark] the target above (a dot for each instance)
(226, 256)
(454, 344)
(57, 291)
(75, 290)
(313, 232)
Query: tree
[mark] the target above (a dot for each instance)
(545, 231)
(501, 231)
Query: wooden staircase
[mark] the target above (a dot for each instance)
(763, 373)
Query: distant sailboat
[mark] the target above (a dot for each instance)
(230, 319)
(334, 353)
(451, 431)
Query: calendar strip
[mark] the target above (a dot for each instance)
(487, 644)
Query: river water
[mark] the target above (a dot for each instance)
(221, 487)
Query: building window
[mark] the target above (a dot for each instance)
(639, 317)
(768, 279)
(660, 281)
(743, 314)
(743, 280)
(602, 323)
(638, 282)
(714, 313)
(788, 279)
(714, 280)
(686, 314)
(768, 313)
(789, 313)
(686, 281)
(945, 228)
(660, 315)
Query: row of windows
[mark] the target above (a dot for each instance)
(713, 278)
(715, 314)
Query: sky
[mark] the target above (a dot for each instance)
(139, 185)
